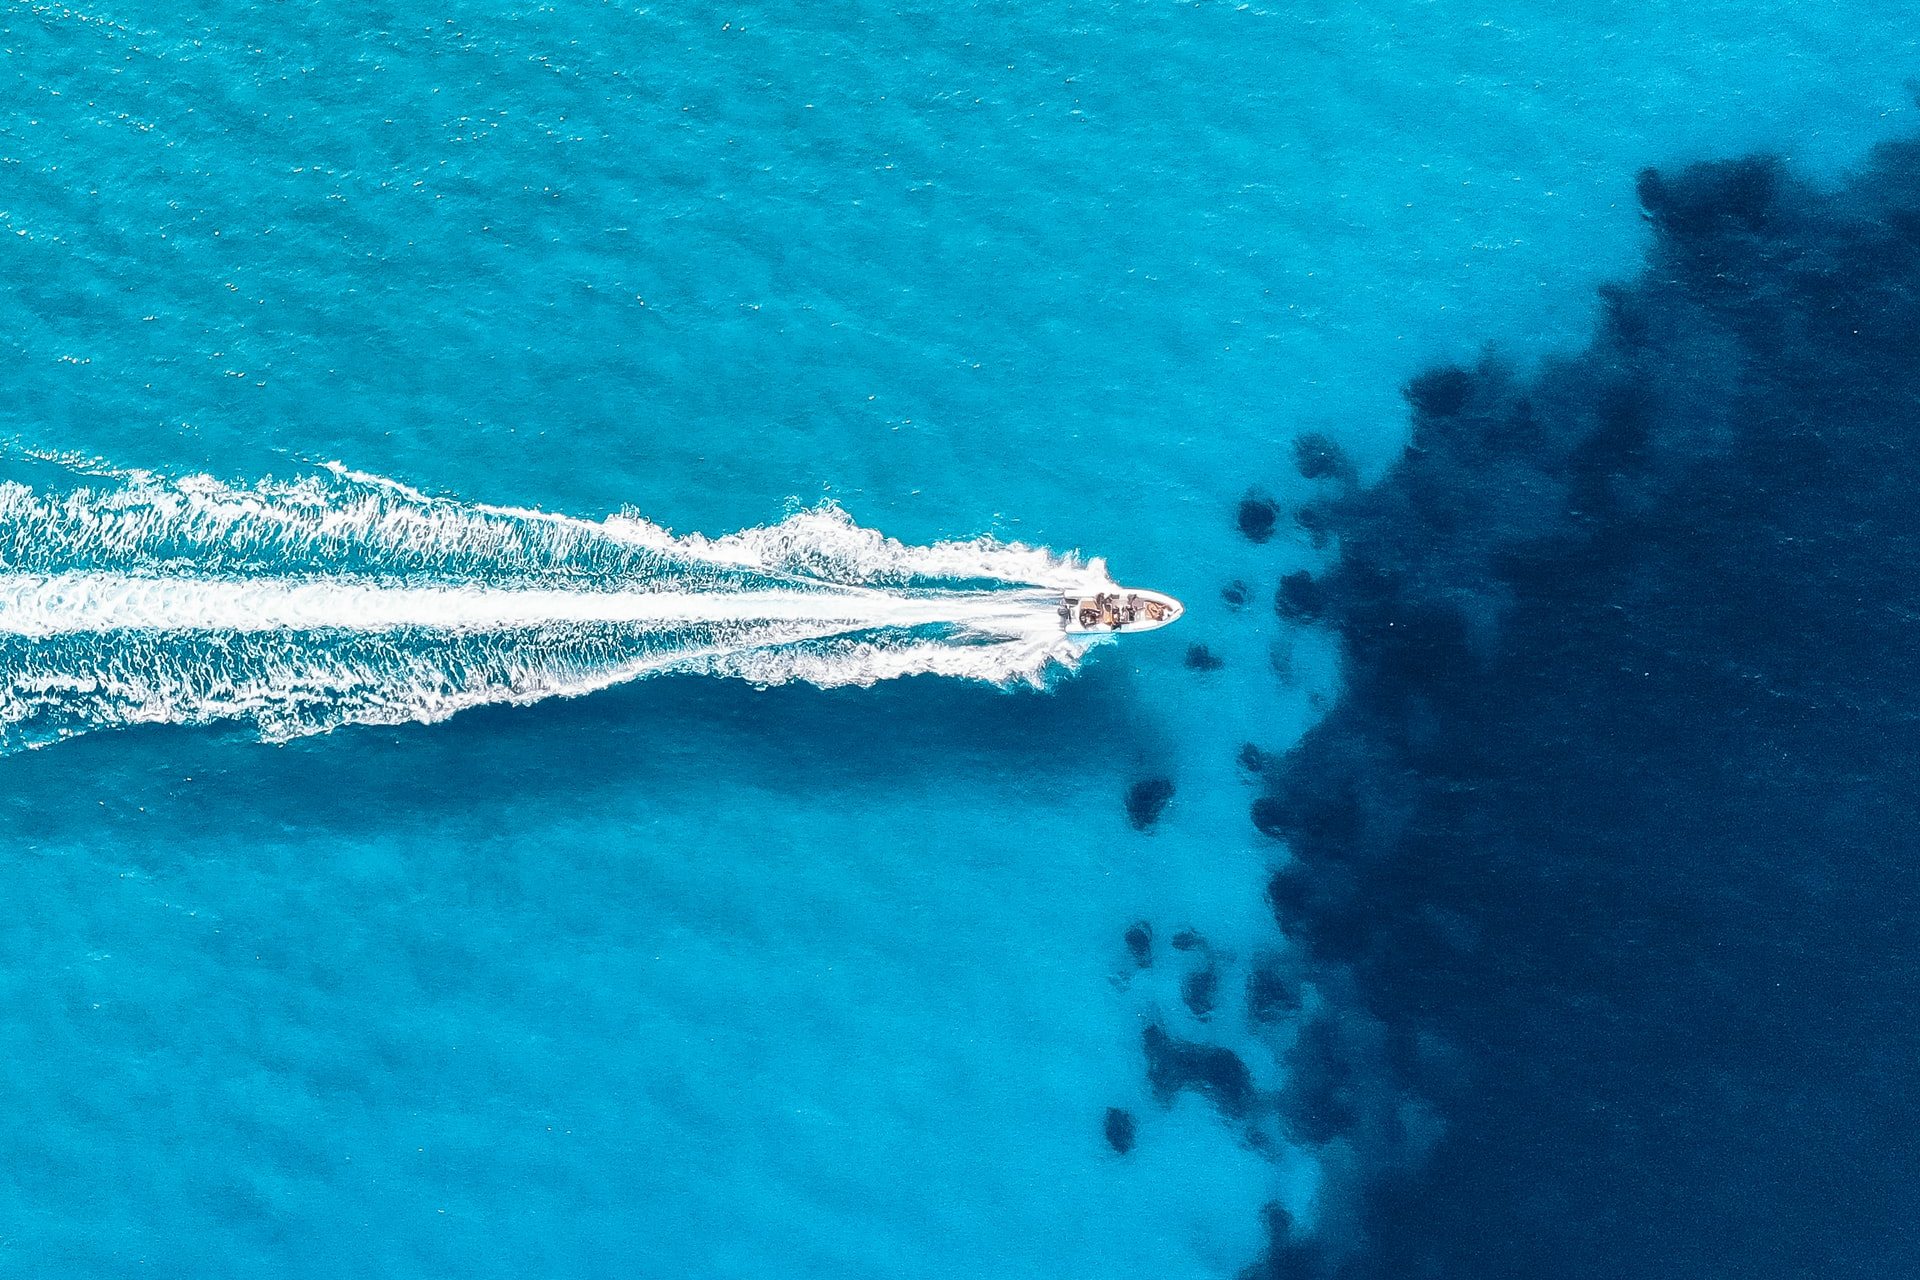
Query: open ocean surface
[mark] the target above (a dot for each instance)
(689, 976)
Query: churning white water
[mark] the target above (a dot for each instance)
(344, 598)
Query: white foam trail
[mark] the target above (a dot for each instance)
(345, 598)
(33, 605)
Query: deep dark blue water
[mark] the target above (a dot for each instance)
(468, 807)
(1611, 832)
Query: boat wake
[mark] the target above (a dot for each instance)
(342, 598)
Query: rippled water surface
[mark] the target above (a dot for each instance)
(369, 366)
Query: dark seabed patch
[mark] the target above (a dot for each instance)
(1273, 995)
(1316, 457)
(1200, 988)
(1201, 658)
(1300, 598)
(1256, 517)
(1606, 854)
(1119, 1128)
(1213, 1071)
(1146, 801)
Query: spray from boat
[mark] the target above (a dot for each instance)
(343, 598)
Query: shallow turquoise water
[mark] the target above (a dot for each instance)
(687, 977)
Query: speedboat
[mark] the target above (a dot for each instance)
(1122, 609)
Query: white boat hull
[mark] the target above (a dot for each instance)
(1124, 609)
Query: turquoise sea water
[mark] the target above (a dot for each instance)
(689, 977)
